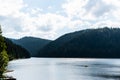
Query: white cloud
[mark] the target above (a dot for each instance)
(107, 23)
(74, 7)
(95, 11)
(19, 20)
(17, 23)
(9, 7)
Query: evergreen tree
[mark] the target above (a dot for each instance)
(3, 55)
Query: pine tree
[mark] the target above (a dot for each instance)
(3, 55)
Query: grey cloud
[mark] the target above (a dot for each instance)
(18, 29)
(102, 10)
(2, 18)
(12, 23)
(90, 4)
(101, 7)
(46, 28)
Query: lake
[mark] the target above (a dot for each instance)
(65, 69)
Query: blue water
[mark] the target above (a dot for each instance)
(65, 69)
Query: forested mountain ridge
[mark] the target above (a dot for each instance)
(89, 43)
(15, 51)
(32, 44)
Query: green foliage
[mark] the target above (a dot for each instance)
(3, 55)
(3, 61)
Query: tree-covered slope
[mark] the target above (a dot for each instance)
(3, 55)
(15, 51)
(90, 43)
(32, 44)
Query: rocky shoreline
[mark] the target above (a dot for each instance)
(6, 77)
(9, 78)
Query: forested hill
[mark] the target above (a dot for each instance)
(89, 43)
(15, 51)
(32, 44)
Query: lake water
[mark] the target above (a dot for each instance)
(65, 69)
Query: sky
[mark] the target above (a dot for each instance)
(50, 19)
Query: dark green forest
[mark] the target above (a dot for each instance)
(89, 43)
(16, 51)
(3, 55)
(31, 44)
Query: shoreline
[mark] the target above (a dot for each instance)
(7, 77)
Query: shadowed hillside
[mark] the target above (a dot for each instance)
(89, 43)
(15, 51)
(33, 45)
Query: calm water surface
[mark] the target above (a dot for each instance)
(65, 69)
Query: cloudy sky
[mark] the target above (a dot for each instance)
(50, 19)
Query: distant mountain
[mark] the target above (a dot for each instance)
(15, 51)
(89, 43)
(32, 44)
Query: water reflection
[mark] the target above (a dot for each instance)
(65, 69)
